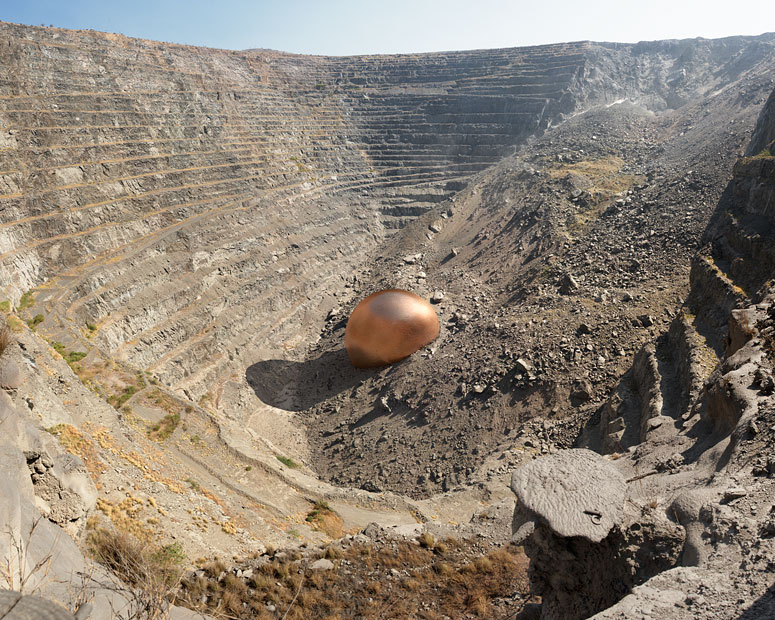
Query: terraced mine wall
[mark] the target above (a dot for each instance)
(199, 207)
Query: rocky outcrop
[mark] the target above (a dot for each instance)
(46, 496)
(764, 135)
(585, 552)
(61, 486)
(709, 377)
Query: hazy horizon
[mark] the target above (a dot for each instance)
(347, 27)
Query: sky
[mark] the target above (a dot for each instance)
(343, 27)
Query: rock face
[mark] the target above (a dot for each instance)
(764, 135)
(46, 496)
(54, 483)
(10, 375)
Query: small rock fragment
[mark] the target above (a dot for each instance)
(568, 285)
(322, 564)
(734, 493)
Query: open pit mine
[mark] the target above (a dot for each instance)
(588, 429)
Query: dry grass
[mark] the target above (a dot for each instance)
(76, 442)
(149, 576)
(604, 175)
(126, 517)
(19, 571)
(163, 430)
(322, 518)
(604, 179)
(15, 323)
(434, 580)
(6, 339)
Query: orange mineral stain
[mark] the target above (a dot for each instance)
(388, 326)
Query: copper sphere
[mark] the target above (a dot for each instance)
(388, 326)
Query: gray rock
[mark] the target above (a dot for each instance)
(581, 391)
(14, 606)
(734, 493)
(765, 381)
(10, 374)
(568, 285)
(575, 492)
(322, 564)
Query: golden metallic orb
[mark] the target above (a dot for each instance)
(388, 326)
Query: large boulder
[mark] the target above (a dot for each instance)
(14, 606)
(585, 554)
(574, 492)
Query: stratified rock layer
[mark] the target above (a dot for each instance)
(197, 206)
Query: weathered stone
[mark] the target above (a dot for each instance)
(568, 285)
(581, 391)
(14, 606)
(576, 492)
(10, 374)
(322, 564)
(734, 493)
(765, 381)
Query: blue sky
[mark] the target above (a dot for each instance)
(349, 27)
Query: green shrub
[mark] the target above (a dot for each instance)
(287, 461)
(128, 392)
(26, 300)
(169, 554)
(164, 429)
(75, 356)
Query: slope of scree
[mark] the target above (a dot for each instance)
(199, 206)
(690, 428)
(550, 270)
(178, 223)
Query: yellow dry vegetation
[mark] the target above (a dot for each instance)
(76, 442)
(446, 574)
(15, 323)
(125, 516)
(604, 179)
(604, 175)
